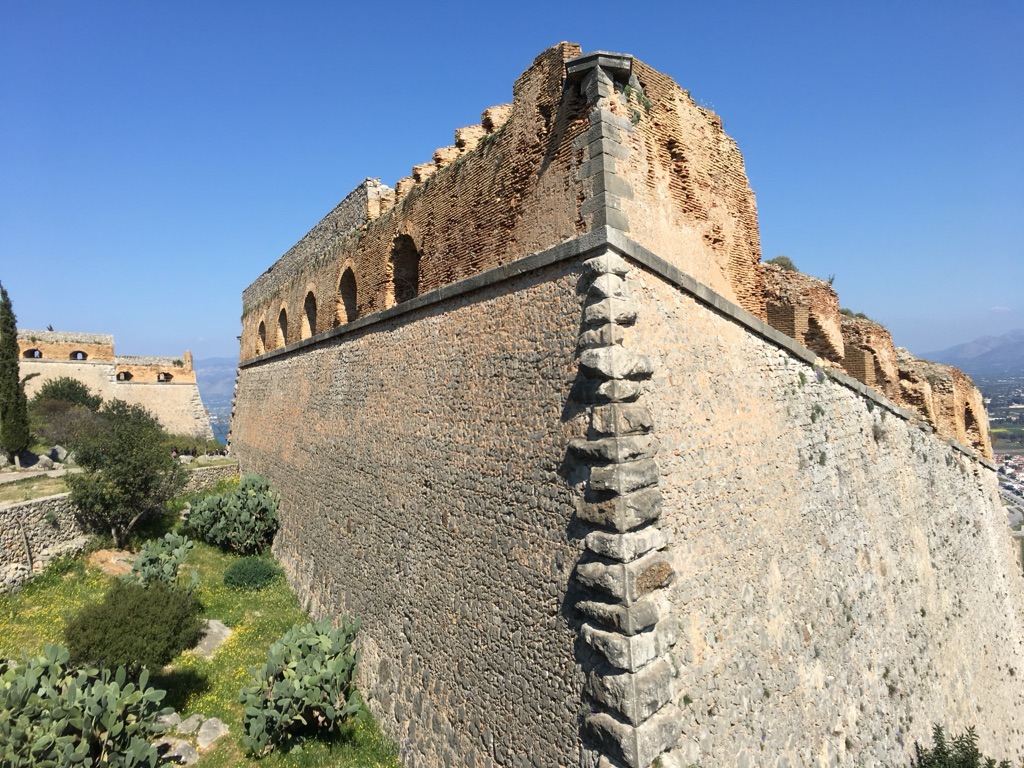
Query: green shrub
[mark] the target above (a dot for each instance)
(251, 573)
(784, 262)
(134, 627)
(306, 686)
(159, 560)
(243, 521)
(69, 390)
(961, 752)
(52, 714)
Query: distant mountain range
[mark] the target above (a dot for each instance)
(215, 377)
(987, 356)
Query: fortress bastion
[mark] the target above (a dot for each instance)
(605, 489)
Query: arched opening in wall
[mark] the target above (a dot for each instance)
(32, 354)
(405, 269)
(163, 377)
(972, 429)
(124, 376)
(261, 338)
(282, 328)
(309, 316)
(78, 355)
(347, 307)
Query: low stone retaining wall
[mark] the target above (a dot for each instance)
(34, 533)
(205, 477)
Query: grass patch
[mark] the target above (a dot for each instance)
(39, 612)
(31, 488)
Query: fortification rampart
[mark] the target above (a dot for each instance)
(166, 386)
(593, 509)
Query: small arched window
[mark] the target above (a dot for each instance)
(261, 338)
(163, 377)
(78, 355)
(405, 269)
(347, 306)
(124, 376)
(282, 328)
(309, 316)
(32, 354)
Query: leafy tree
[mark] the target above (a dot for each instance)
(68, 390)
(14, 430)
(128, 472)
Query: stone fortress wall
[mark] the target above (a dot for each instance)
(165, 386)
(604, 488)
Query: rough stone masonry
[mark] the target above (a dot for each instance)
(604, 488)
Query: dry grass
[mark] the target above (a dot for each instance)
(31, 488)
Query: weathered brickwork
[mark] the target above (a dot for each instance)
(592, 508)
(422, 457)
(513, 194)
(692, 201)
(165, 386)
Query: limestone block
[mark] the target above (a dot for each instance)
(615, 362)
(608, 263)
(597, 84)
(627, 619)
(613, 310)
(634, 695)
(621, 513)
(626, 547)
(621, 419)
(627, 582)
(638, 746)
(494, 117)
(602, 336)
(617, 448)
(611, 391)
(624, 478)
(607, 285)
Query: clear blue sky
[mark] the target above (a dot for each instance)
(156, 157)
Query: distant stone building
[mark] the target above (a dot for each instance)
(165, 386)
(605, 489)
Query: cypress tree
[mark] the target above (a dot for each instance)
(14, 431)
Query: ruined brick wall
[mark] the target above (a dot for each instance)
(806, 309)
(165, 386)
(418, 462)
(692, 202)
(843, 579)
(511, 192)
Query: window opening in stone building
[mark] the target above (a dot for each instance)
(32, 354)
(261, 339)
(309, 316)
(282, 328)
(78, 355)
(405, 269)
(163, 377)
(124, 376)
(347, 307)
